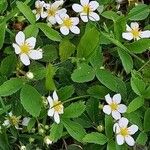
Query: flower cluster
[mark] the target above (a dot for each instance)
(55, 14)
(123, 133)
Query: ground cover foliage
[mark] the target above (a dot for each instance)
(74, 75)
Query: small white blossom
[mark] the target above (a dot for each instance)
(25, 121)
(25, 48)
(123, 133)
(29, 75)
(54, 9)
(134, 32)
(86, 10)
(39, 11)
(23, 148)
(47, 140)
(114, 107)
(56, 107)
(68, 24)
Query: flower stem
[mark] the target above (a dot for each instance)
(144, 65)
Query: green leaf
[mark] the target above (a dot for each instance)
(112, 82)
(146, 93)
(137, 84)
(108, 126)
(65, 92)
(96, 138)
(111, 145)
(83, 73)
(26, 11)
(110, 15)
(74, 110)
(139, 12)
(50, 53)
(31, 124)
(56, 131)
(139, 46)
(135, 104)
(31, 31)
(74, 129)
(11, 86)
(2, 33)
(142, 139)
(126, 59)
(8, 65)
(147, 120)
(31, 100)
(49, 32)
(66, 49)
(49, 83)
(3, 6)
(84, 51)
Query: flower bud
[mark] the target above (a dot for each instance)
(23, 148)
(47, 140)
(46, 127)
(100, 128)
(41, 131)
(29, 75)
(31, 140)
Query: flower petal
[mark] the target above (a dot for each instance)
(128, 28)
(55, 96)
(56, 4)
(107, 109)
(6, 123)
(84, 2)
(17, 48)
(37, 16)
(75, 20)
(123, 122)
(116, 128)
(35, 54)
(145, 34)
(50, 101)
(129, 140)
(62, 110)
(120, 139)
(84, 17)
(132, 129)
(25, 121)
(43, 14)
(117, 98)
(134, 25)
(56, 117)
(116, 115)
(51, 112)
(94, 16)
(58, 19)
(127, 35)
(25, 59)
(51, 19)
(20, 38)
(94, 5)
(31, 42)
(64, 30)
(108, 99)
(62, 11)
(122, 108)
(75, 29)
(77, 8)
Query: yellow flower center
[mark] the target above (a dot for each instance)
(51, 12)
(135, 32)
(114, 106)
(124, 131)
(38, 10)
(67, 22)
(57, 106)
(25, 48)
(86, 9)
(14, 120)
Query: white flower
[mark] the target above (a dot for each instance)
(29, 75)
(25, 48)
(23, 148)
(114, 107)
(25, 121)
(53, 9)
(56, 107)
(68, 23)
(123, 133)
(86, 10)
(134, 32)
(47, 140)
(39, 11)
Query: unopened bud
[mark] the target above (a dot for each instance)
(46, 127)
(29, 75)
(47, 140)
(31, 140)
(41, 131)
(100, 128)
(23, 148)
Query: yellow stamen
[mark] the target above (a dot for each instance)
(135, 32)
(124, 131)
(38, 10)
(67, 22)
(25, 48)
(14, 120)
(86, 9)
(51, 12)
(57, 105)
(114, 106)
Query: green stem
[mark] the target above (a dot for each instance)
(144, 65)
(3, 105)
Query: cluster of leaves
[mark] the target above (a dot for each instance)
(83, 69)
